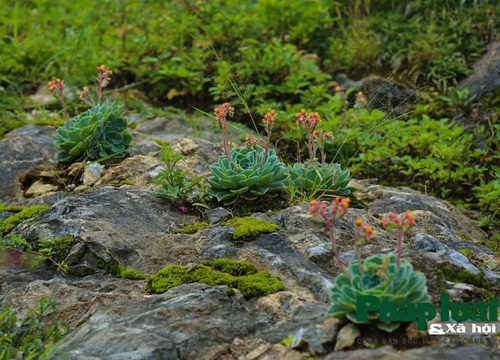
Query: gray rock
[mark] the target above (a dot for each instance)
(113, 224)
(346, 337)
(181, 323)
(485, 78)
(23, 149)
(380, 93)
(216, 215)
(426, 242)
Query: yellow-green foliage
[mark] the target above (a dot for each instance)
(241, 275)
(112, 267)
(61, 247)
(287, 341)
(23, 213)
(467, 252)
(132, 274)
(191, 228)
(248, 228)
(464, 276)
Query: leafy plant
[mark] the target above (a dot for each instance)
(380, 277)
(250, 171)
(98, 133)
(313, 178)
(29, 338)
(172, 179)
(387, 277)
(17, 249)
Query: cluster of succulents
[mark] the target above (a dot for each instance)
(379, 276)
(100, 132)
(249, 173)
(319, 180)
(96, 134)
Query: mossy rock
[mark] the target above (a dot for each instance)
(467, 252)
(112, 267)
(22, 213)
(248, 228)
(61, 247)
(464, 276)
(234, 274)
(235, 268)
(191, 228)
(167, 278)
(132, 274)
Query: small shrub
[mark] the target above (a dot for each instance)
(173, 180)
(29, 338)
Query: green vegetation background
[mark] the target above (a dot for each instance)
(284, 55)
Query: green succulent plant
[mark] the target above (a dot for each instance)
(314, 180)
(100, 132)
(249, 173)
(380, 278)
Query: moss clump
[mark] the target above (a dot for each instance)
(463, 276)
(167, 278)
(287, 341)
(219, 272)
(132, 274)
(112, 267)
(61, 248)
(235, 268)
(23, 213)
(493, 245)
(248, 228)
(467, 252)
(191, 228)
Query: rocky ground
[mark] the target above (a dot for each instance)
(114, 216)
(111, 213)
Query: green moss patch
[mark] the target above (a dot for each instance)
(22, 213)
(132, 274)
(61, 248)
(248, 228)
(191, 228)
(241, 275)
(463, 276)
(467, 252)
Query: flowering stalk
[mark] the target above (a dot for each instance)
(402, 223)
(319, 143)
(56, 88)
(268, 123)
(221, 113)
(309, 121)
(102, 80)
(338, 210)
(362, 235)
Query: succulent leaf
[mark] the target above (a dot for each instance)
(249, 174)
(318, 180)
(380, 278)
(94, 134)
